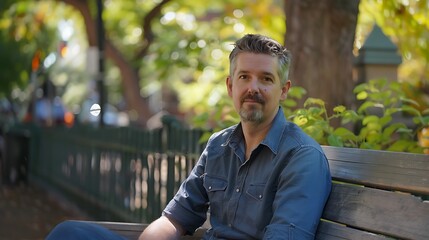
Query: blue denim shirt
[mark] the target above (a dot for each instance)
(278, 193)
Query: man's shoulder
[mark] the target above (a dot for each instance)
(223, 135)
(295, 136)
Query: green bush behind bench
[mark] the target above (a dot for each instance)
(385, 119)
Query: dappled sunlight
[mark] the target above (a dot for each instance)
(127, 179)
(144, 187)
(79, 164)
(135, 195)
(66, 166)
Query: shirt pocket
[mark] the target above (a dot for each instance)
(256, 191)
(215, 188)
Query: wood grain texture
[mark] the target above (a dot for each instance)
(333, 231)
(381, 169)
(133, 230)
(391, 213)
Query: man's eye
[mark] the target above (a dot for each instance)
(242, 77)
(268, 79)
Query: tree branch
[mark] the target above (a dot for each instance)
(148, 35)
(129, 74)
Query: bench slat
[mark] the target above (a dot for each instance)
(333, 231)
(128, 230)
(391, 213)
(325, 231)
(133, 230)
(388, 170)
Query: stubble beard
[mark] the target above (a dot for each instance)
(251, 115)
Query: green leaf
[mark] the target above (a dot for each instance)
(367, 145)
(314, 101)
(359, 88)
(410, 101)
(388, 131)
(365, 106)
(396, 86)
(391, 111)
(385, 120)
(379, 83)
(339, 109)
(334, 140)
(345, 133)
(404, 130)
(362, 95)
(315, 133)
(399, 146)
(297, 92)
(289, 103)
(316, 111)
(425, 121)
(350, 115)
(370, 119)
(300, 120)
(410, 110)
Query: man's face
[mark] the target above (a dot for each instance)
(255, 87)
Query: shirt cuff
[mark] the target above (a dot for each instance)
(187, 219)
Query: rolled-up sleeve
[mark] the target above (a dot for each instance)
(303, 189)
(190, 204)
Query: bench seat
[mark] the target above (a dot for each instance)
(375, 195)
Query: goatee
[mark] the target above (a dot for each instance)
(254, 114)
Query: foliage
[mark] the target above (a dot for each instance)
(12, 66)
(407, 24)
(28, 30)
(15, 47)
(378, 122)
(384, 120)
(190, 48)
(191, 53)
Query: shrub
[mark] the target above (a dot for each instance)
(373, 125)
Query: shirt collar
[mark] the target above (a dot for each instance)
(275, 134)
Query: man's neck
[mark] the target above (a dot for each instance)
(254, 133)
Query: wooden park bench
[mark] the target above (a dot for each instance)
(375, 195)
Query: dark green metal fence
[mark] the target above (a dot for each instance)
(127, 174)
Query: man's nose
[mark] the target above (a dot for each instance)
(253, 86)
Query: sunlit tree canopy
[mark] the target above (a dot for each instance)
(182, 46)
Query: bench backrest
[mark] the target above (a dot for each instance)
(375, 195)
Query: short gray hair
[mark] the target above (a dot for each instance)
(255, 43)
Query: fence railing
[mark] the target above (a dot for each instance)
(126, 173)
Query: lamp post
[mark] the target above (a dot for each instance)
(100, 75)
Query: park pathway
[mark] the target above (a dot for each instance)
(29, 212)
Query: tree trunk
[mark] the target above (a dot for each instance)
(320, 36)
(130, 78)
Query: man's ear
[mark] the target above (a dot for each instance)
(285, 90)
(229, 85)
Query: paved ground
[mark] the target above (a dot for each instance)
(29, 212)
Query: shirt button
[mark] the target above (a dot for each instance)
(210, 187)
(260, 196)
(237, 190)
(229, 225)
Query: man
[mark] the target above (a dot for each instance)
(263, 178)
